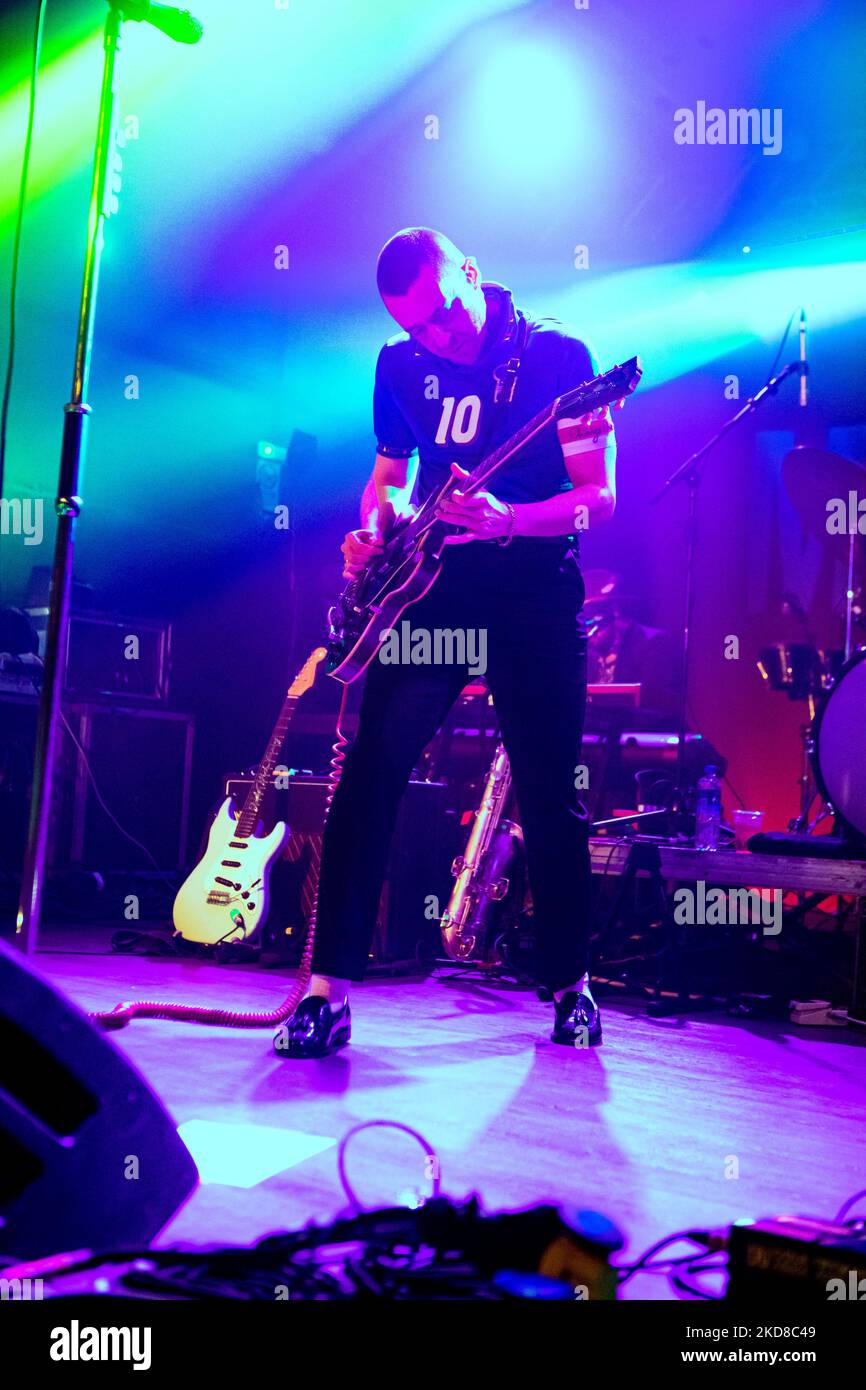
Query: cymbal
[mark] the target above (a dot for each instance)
(814, 477)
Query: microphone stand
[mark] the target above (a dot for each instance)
(68, 502)
(690, 474)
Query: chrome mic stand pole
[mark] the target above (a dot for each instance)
(68, 504)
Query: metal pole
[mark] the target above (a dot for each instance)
(67, 507)
(688, 619)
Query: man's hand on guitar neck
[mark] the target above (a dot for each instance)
(482, 515)
(589, 454)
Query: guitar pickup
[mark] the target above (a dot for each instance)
(218, 899)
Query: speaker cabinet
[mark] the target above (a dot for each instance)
(89, 1158)
(141, 760)
(418, 867)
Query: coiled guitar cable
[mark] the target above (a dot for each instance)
(121, 1014)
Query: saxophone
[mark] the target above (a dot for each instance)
(486, 871)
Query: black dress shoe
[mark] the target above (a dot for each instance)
(578, 1020)
(314, 1029)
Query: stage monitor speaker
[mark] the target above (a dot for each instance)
(89, 1157)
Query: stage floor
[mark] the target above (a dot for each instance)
(671, 1124)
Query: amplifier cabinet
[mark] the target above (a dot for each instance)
(126, 658)
(113, 658)
(141, 761)
(18, 717)
(418, 867)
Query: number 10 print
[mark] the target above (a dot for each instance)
(460, 426)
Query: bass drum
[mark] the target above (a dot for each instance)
(839, 745)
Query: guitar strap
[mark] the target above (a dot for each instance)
(505, 377)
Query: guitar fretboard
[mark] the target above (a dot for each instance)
(601, 390)
(500, 455)
(249, 816)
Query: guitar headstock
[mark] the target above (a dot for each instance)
(602, 390)
(308, 672)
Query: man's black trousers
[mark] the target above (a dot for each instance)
(525, 598)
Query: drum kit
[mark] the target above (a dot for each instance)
(832, 682)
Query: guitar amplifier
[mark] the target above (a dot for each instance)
(141, 760)
(113, 658)
(419, 866)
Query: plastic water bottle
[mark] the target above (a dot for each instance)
(708, 810)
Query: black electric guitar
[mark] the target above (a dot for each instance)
(411, 561)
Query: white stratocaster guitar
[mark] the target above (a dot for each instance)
(226, 896)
